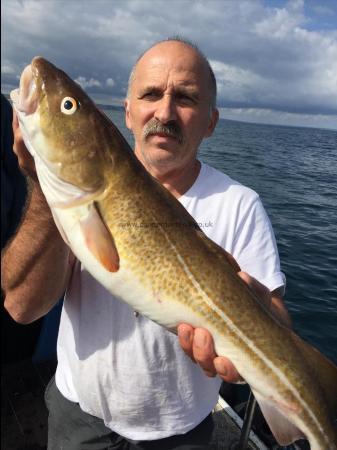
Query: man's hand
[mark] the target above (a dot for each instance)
(25, 159)
(198, 342)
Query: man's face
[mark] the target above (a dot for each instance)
(168, 109)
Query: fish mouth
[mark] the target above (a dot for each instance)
(25, 98)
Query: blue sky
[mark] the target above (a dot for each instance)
(275, 61)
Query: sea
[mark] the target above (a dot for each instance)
(294, 170)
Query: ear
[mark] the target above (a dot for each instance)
(213, 120)
(127, 113)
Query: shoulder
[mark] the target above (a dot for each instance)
(218, 184)
(221, 205)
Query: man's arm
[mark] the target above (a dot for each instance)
(36, 263)
(198, 342)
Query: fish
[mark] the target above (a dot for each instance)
(141, 244)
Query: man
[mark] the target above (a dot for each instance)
(117, 371)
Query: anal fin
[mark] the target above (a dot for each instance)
(284, 431)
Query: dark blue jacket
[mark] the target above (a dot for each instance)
(13, 183)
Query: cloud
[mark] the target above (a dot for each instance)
(279, 23)
(110, 82)
(84, 83)
(280, 58)
(7, 69)
(234, 83)
(269, 116)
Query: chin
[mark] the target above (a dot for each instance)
(161, 154)
(162, 165)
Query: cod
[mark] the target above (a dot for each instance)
(163, 265)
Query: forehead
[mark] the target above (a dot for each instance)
(171, 62)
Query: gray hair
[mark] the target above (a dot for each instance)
(212, 79)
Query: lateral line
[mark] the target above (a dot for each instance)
(241, 336)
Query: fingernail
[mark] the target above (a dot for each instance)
(220, 367)
(185, 336)
(200, 339)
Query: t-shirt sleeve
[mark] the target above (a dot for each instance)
(255, 246)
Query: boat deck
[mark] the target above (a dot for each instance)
(23, 412)
(24, 415)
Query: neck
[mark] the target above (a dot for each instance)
(180, 180)
(177, 180)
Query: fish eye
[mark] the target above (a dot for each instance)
(68, 105)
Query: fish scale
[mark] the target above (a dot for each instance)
(140, 243)
(214, 302)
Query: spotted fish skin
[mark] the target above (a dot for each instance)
(140, 243)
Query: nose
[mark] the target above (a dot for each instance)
(166, 110)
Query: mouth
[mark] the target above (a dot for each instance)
(162, 136)
(25, 98)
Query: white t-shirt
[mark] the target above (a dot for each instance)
(128, 370)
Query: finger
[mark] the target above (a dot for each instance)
(226, 370)
(16, 131)
(253, 283)
(18, 140)
(259, 289)
(15, 120)
(233, 262)
(25, 159)
(203, 351)
(185, 336)
(246, 278)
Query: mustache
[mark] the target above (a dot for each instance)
(171, 128)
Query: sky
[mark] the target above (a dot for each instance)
(275, 61)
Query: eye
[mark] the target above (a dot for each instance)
(150, 95)
(68, 105)
(185, 99)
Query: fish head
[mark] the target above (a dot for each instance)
(61, 125)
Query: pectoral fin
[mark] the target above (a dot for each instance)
(284, 431)
(99, 240)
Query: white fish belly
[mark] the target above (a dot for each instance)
(124, 284)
